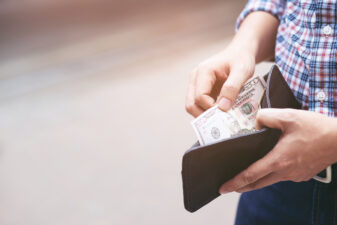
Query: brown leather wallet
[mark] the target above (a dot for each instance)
(206, 168)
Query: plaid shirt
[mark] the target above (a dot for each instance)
(305, 49)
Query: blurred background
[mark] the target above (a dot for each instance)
(93, 126)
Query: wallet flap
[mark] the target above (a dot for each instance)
(278, 93)
(207, 167)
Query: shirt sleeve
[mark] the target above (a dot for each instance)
(274, 7)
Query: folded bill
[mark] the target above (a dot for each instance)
(214, 124)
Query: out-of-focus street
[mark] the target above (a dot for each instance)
(93, 126)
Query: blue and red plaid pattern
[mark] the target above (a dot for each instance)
(305, 49)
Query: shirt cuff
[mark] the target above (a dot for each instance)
(274, 7)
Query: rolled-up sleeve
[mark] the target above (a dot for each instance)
(274, 7)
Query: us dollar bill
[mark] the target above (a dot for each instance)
(214, 124)
(248, 101)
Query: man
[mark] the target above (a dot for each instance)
(301, 36)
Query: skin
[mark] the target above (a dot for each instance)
(221, 77)
(309, 140)
(307, 146)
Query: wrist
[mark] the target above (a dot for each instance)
(245, 44)
(257, 35)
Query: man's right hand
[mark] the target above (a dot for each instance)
(219, 80)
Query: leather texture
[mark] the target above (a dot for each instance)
(206, 168)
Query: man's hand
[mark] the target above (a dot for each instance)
(307, 146)
(220, 78)
(222, 75)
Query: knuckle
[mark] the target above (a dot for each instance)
(288, 115)
(202, 67)
(283, 163)
(248, 177)
(229, 88)
(198, 98)
(189, 107)
(246, 68)
(275, 163)
(202, 72)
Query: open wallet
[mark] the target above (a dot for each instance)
(206, 168)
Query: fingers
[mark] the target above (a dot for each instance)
(199, 92)
(232, 86)
(270, 179)
(253, 173)
(190, 106)
(194, 110)
(275, 118)
(204, 85)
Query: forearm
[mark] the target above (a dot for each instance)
(257, 35)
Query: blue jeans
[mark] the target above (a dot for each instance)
(289, 203)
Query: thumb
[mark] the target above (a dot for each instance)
(273, 118)
(231, 88)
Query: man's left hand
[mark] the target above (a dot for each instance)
(307, 146)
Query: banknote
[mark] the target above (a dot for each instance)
(248, 101)
(214, 124)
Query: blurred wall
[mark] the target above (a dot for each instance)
(55, 38)
(27, 25)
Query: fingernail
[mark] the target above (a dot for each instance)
(225, 104)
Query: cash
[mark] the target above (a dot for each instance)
(214, 124)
